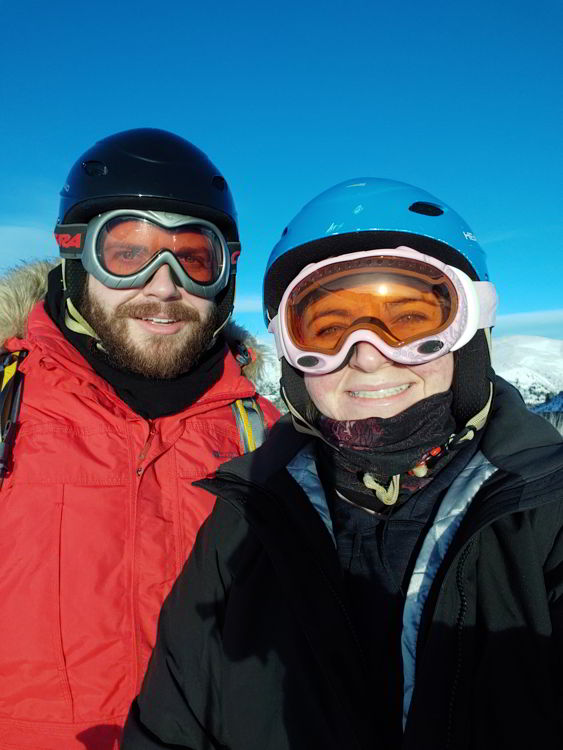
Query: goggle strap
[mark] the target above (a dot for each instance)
(274, 328)
(234, 252)
(70, 239)
(488, 301)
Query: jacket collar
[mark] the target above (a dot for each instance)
(23, 287)
(518, 441)
(43, 335)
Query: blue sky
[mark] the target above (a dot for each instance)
(290, 99)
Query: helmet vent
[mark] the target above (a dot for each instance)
(219, 182)
(95, 168)
(284, 232)
(427, 209)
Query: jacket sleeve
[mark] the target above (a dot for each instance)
(180, 701)
(553, 572)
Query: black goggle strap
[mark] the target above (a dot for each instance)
(70, 239)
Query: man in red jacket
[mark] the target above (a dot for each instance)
(131, 384)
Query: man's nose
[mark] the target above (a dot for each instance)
(162, 285)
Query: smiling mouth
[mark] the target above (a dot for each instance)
(160, 321)
(382, 393)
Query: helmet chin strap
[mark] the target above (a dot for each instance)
(76, 323)
(73, 319)
(218, 331)
(478, 421)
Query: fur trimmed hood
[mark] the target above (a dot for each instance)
(25, 285)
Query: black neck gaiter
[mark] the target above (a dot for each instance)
(148, 397)
(384, 448)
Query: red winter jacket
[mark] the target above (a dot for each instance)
(98, 514)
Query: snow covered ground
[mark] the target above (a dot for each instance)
(533, 364)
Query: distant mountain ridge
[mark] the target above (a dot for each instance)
(533, 364)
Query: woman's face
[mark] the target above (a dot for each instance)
(370, 385)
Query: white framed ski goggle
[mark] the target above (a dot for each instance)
(411, 306)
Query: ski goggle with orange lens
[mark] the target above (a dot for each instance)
(410, 306)
(123, 249)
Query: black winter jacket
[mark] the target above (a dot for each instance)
(256, 650)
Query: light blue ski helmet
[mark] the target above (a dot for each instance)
(369, 213)
(392, 213)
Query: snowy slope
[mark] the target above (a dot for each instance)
(554, 404)
(532, 363)
(268, 384)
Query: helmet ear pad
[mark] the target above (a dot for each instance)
(473, 375)
(76, 281)
(225, 301)
(292, 388)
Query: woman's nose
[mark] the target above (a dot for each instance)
(367, 357)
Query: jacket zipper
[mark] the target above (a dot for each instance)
(459, 640)
(456, 548)
(146, 446)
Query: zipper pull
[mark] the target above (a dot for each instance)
(147, 445)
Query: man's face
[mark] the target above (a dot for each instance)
(158, 330)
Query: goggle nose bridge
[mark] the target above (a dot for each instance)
(173, 272)
(375, 322)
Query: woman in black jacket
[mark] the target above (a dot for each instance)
(387, 570)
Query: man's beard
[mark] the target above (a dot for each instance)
(156, 356)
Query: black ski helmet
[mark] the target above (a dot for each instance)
(146, 168)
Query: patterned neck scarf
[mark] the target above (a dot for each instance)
(380, 449)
